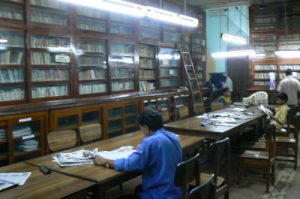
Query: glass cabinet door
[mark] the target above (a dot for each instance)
(122, 66)
(50, 66)
(12, 63)
(169, 60)
(92, 66)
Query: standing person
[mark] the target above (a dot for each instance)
(156, 157)
(291, 87)
(227, 83)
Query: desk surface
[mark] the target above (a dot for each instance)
(38, 185)
(192, 126)
(101, 175)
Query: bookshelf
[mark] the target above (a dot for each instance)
(92, 64)
(122, 66)
(60, 51)
(147, 67)
(273, 29)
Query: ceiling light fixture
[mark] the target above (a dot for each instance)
(234, 53)
(233, 39)
(136, 10)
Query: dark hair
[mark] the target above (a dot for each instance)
(151, 118)
(226, 89)
(288, 72)
(282, 96)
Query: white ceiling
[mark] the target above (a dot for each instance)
(213, 4)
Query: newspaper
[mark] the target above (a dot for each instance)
(11, 179)
(264, 109)
(123, 152)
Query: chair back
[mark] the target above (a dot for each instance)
(271, 140)
(219, 159)
(260, 97)
(291, 116)
(186, 172)
(198, 108)
(90, 132)
(60, 140)
(206, 190)
(216, 106)
(296, 123)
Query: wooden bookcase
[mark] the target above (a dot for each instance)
(56, 50)
(274, 28)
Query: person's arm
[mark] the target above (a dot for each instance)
(100, 161)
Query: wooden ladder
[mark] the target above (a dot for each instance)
(191, 77)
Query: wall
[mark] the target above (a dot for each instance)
(233, 20)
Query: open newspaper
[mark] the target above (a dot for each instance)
(264, 109)
(12, 179)
(81, 157)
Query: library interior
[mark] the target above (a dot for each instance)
(149, 99)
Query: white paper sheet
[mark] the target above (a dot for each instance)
(12, 179)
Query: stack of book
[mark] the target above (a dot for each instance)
(19, 131)
(3, 135)
(28, 145)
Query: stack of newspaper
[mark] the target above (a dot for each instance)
(87, 157)
(11, 179)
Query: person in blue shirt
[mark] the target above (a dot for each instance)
(156, 157)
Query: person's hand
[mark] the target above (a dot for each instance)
(100, 161)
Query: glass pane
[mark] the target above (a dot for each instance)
(3, 134)
(40, 16)
(10, 11)
(26, 145)
(170, 82)
(131, 109)
(121, 18)
(91, 25)
(147, 74)
(12, 57)
(92, 46)
(147, 63)
(12, 93)
(68, 122)
(89, 117)
(11, 75)
(131, 120)
(169, 57)
(171, 37)
(92, 74)
(118, 48)
(115, 124)
(118, 61)
(150, 23)
(90, 88)
(116, 112)
(26, 129)
(41, 91)
(92, 60)
(172, 7)
(56, 4)
(149, 34)
(168, 72)
(45, 58)
(49, 74)
(129, 130)
(115, 133)
(121, 29)
(12, 39)
(147, 50)
(121, 86)
(122, 73)
(89, 12)
(42, 41)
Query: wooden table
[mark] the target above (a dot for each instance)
(192, 126)
(38, 185)
(107, 178)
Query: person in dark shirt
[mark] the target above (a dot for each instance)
(156, 157)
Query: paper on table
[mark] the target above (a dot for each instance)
(123, 152)
(11, 179)
(265, 110)
(74, 158)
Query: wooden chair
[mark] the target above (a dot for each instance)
(183, 112)
(198, 108)
(216, 106)
(261, 159)
(218, 162)
(205, 191)
(60, 140)
(285, 143)
(90, 132)
(187, 172)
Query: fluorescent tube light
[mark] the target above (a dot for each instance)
(233, 39)
(136, 10)
(3, 41)
(288, 53)
(236, 53)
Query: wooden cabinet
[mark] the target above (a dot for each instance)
(120, 118)
(273, 29)
(22, 136)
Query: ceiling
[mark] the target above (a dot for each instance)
(214, 4)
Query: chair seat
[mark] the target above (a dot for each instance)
(255, 154)
(254, 146)
(281, 139)
(204, 177)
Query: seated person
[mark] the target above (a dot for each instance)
(156, 157)
(225, 99)
(281, 112)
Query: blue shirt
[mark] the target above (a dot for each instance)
(157, 157)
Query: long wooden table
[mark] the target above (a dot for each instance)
(192, 125)
(103, 177)
(38, 185)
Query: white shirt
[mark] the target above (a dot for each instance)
(228, 84)
(290, 86)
